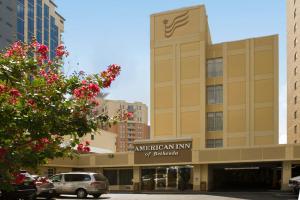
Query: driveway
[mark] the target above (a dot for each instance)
(271, 195)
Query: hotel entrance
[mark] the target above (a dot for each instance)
(166, 178)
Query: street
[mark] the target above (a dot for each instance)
(272, 195)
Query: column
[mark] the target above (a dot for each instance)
(196, 178)
(136, 179)
(286, 174)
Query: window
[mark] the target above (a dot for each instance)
(295, 141)
(295, 71)
(215, 121)
(119, 176)
(214, 67)
(9, 24)
(77, 177)
(295, 85)
(215, 94)
(295, 56)
(9, 8)
(46, 25)
(295, 99)
(30, 21)
(56, 178)
(295, 114)
(99, 177)
(295, 42)
(53, 37)
(39, 21)
(214, 143)
(295, 27)
(295, 13)
(92, 137)
(295, 129)
(112, 176)
(20, 20)
(125, 176)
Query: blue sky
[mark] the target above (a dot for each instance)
(100, 32)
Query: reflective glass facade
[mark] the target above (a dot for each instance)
(53, 37)
(39, 21)
(46, 25)
(30, 20)
(20, 20)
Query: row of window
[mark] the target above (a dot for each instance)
(53, 37)
(30, 21)
(39, 21)
(20, 20)
(46, 25)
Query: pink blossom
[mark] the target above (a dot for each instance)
(60, 51)
(14, 92)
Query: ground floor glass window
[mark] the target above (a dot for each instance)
(119, 176)
(166, 178)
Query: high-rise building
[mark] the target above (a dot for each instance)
(24, 19)
(132, 129)
(293, 71)
(221, 95)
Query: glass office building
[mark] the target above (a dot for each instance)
(24, 19)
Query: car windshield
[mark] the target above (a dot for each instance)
(56, 178)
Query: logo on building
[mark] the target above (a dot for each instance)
(177, 22)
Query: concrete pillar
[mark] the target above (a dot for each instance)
(200, 178)
(204, 178)
(286, 174)
(136, 179)
(196, 178)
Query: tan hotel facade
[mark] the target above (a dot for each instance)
(214, 115)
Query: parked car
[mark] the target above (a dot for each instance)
(45, 187)
(294, 184)
(23, 187)
(80, 184)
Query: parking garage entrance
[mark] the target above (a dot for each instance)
(246, 176)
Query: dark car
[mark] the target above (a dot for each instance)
(23, 187)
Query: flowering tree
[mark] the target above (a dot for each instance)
(40, 107)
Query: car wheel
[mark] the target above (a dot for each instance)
(81, 194)
(96, 195)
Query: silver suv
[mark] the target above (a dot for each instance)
(80, 183)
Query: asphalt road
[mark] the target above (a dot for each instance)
(272, 195)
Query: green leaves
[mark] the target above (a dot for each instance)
(40, 119)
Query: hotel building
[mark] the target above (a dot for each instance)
(135, 128)
(214, 115)
(293, 71)
(24, 19)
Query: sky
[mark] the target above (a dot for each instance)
(102, 32)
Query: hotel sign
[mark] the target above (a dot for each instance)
(163, 152)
